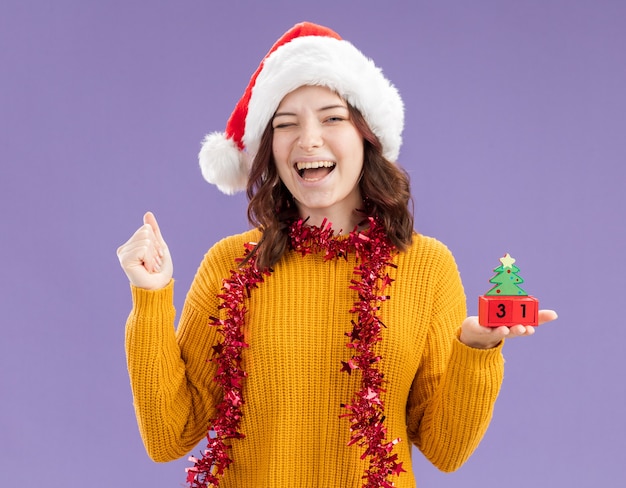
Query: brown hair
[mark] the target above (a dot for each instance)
(384, 186)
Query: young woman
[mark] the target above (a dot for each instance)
(317, 347)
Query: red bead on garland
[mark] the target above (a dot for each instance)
(366, 410)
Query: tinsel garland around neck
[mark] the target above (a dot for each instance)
(365, 413)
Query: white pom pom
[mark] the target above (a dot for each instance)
(223, 164)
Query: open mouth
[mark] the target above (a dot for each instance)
(314, 170)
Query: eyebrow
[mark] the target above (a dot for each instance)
(322, 109)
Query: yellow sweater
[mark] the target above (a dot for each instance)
(439, 392)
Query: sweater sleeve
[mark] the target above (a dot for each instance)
(454, 392)
(171, 379)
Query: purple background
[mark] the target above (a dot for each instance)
(515, 141)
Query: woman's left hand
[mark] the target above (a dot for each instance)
(475, 335)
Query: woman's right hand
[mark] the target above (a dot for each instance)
(145, 257)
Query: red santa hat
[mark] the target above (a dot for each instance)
(307, 54)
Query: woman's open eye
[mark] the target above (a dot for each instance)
(335, 118)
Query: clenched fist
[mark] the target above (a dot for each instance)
(145, 257)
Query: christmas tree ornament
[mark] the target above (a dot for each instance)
(507, 304)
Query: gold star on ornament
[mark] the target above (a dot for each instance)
(507, 261)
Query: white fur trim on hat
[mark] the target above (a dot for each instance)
(335, 64)
(223, 164)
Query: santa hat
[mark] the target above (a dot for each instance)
(307, 54)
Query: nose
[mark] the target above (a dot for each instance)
(310, 136)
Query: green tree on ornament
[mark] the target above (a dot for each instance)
(506, 280)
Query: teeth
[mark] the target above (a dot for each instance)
(314, 164)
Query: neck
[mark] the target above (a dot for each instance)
(343, 221)
(341, 224)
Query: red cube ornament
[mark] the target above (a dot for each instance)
(507, 303)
